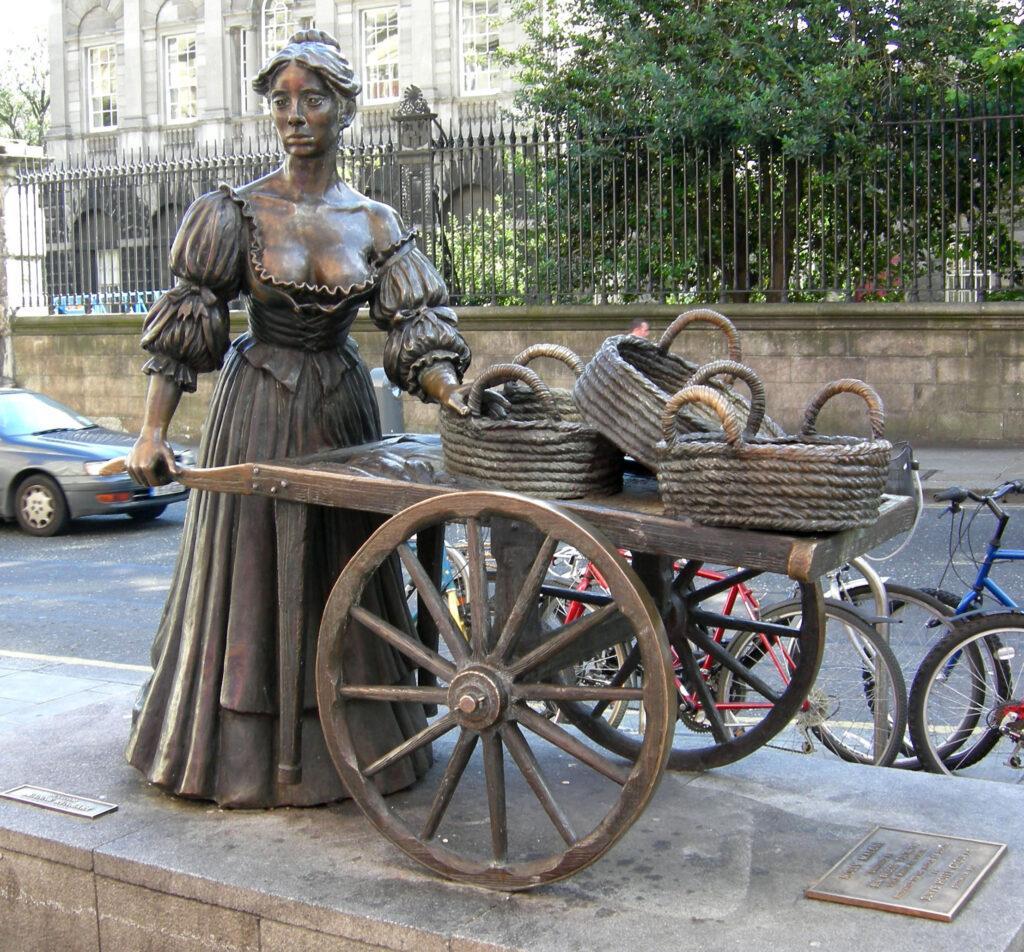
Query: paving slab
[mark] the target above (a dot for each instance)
(717, 860)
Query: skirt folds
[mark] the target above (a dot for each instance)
(206, 723)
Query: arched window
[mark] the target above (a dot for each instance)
(279, 23)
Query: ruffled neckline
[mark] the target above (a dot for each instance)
(337, 293)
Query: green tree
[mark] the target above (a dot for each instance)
(781, 99)
(25, 93)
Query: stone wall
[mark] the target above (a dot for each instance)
(948, 373)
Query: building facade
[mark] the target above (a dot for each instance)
(175, 75)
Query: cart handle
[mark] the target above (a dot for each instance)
(499, 373)
(554, 351)
(757, 395)
(703, 315)
(714, 400)
(876, 412)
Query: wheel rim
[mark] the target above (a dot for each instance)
(484, 691)
(38, 507)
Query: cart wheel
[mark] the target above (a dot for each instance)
(534, 802)
(768, 684)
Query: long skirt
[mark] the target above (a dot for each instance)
(206, 723)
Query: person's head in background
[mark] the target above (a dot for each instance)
(639, 327)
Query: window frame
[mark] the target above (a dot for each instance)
(165, 41)
(496, 73)
(88, 98)
(377, 8)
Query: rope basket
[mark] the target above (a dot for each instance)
(527, 403)
(801, 483)
(539, 453)
(623, 390)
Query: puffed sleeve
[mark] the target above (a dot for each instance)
(411, 305)
(187, 329)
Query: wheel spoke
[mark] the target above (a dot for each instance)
(630, 665)
(393, 692)
(464, 747)
(699, 685)
(479, 603)
(424, 657)
(737, 667)
(430, 597)
(560, 639)
(430, 733)
(494, 773)
(525, 600)
(529, 767)
(575, 692)
(562, 739)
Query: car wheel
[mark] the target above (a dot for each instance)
(40, 506)
(147, 515)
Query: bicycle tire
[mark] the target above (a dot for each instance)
(920, 616)
(844, 711)
(979, 639)
(742, 739)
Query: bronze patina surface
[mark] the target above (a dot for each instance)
(927, 875)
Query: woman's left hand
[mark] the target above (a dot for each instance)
(441, 384)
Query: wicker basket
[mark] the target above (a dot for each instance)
(525, 401)
(802, 483)
(623, 390)
(533, 450)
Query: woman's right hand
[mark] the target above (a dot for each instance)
(151, 460)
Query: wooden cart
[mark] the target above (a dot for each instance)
(572, 792)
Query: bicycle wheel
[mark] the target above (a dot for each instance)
(966, 695)
(710, 732)
(916, 621)
(857, 708)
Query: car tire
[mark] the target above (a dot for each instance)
(147, 515)
(40, 506)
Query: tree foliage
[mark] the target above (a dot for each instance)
(25, 93)
(805, 76)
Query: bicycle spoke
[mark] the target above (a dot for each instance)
(476, 581)
(414, 650)
(525, 600)
(560, 639)
(393, 692)
(630, 665)
(430, 733)
(530, 768)
(562, 739)
(453, 772)
(430, 597)
(494, 773)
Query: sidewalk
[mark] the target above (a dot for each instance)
(970, 468)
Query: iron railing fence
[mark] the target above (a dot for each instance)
(933, 212)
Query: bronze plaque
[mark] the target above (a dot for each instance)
(917, 874)
(61, 802)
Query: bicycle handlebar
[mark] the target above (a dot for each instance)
(955, 495)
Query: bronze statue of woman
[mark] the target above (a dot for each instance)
(305, 251)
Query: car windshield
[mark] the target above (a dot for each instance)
(24, 413)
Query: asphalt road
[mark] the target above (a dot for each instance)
(97, 592)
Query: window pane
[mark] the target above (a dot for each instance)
(182, 82)
(277, 26)
(480, 40)
(101, 77)
(380, 54)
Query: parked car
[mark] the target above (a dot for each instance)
(50, 458)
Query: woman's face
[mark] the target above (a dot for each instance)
(305, 111)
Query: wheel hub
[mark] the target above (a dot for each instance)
(37, 507)
(478, 698)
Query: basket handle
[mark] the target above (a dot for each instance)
(753, 381)
(876, 412)
(555, 351)
(703, 315)
(713, 399)
(499, 373)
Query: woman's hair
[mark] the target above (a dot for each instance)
(320, 53)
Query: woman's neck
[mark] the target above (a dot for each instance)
(310, 178)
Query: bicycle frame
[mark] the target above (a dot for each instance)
(993, 553)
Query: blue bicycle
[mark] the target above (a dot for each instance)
(968, 694)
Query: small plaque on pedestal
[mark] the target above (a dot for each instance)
(61, 802)
(916, 874)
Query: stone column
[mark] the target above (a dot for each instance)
(59, 129)
(326, 18)
(130, 108)
(217, 62)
